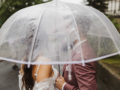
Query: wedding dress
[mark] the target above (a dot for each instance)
(47, 84)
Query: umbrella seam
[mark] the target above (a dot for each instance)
(83, 61)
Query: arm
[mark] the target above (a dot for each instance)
(85, 77)
(62, 85)
(70, 87)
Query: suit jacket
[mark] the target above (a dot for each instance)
(83, 77)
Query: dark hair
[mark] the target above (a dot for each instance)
(27, 79)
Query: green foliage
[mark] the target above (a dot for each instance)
(112, 60)
(116, 22)
(11, 6)
(98, 4)
(113, 63)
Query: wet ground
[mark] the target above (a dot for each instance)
(106, 77)
(8, 77)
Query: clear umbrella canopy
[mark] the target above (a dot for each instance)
(66, 33)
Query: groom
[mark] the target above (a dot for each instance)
(82, 77)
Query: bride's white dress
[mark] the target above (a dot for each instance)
(47, 84)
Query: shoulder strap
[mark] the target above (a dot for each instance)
(36, 73)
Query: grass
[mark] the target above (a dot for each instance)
(113, 64)
(116, 22)
(113, 60)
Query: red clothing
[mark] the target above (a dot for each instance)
(83, 77)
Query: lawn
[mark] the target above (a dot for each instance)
(116, 22)
(113, 64)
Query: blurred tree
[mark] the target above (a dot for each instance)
(9, 7)
(98, 4)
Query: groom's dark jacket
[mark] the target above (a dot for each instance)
(83, 77)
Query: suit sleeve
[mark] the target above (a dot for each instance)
(70, 87)
(85, 77)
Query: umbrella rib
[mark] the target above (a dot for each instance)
(77, 33)
(34, 39)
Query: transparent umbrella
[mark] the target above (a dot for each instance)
(59, 31)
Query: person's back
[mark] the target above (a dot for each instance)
(37, 77)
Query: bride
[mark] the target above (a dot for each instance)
(37, 77)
